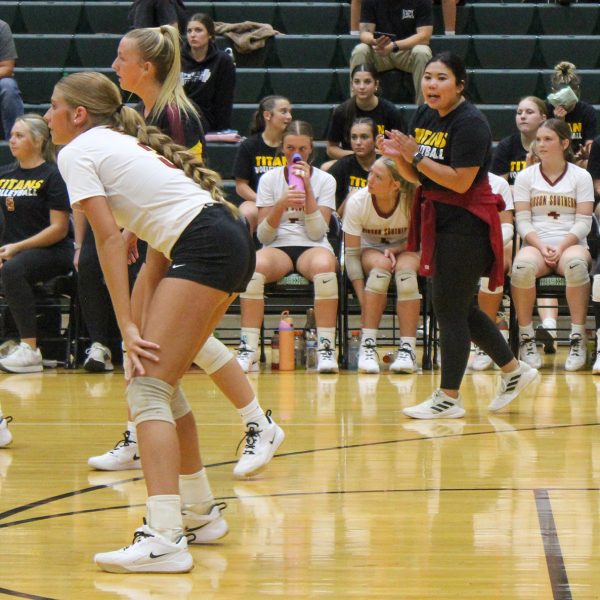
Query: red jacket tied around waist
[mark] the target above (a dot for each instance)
(479, 201)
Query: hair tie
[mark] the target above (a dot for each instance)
(120, 108)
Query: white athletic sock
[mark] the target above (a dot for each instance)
(253, 413)
(132, 433)
(195, 492)
(550, 325)
(326, 334)
(164, 515)
(412, 341)
(368, 333)
(527, 331)
(580, 329)
(250, 335)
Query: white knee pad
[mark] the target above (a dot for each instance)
(149, 399)
(596, 289)
(213, 355)
(255, 290)
(576, 272)
(407, 286)
(325, 286)
(523, 274)
(484, 286)
(179, 404)
(378, 281)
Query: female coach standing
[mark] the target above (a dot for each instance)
(456, 217)
(122, 173)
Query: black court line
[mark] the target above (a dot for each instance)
(16, 594)
(554, 558)
(94, 488)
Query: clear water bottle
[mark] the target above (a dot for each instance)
(299, 350)
(312, 345)
(353, 349)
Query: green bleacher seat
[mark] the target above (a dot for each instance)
(304, 52)
(105, 17)
(346, 44)
(252, 85)
(500, 86)
(36, 84)
(41, 50)
(236, 12)
(457, 44)
(583, 51)
(50, 17)
(308, 85)
(489, 19)
(489, 52)
(95, 50)
(8, 13)
(580, 19)
(301, 18)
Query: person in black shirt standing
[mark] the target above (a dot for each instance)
(395, 34)
(37, 244)
(455, 218)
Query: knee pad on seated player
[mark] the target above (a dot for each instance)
(484, 286)
(407, 286)
(325, 286)
(213, 355)
(576, 272)
(596, 288)
(255, 290)
(378, 281)
(523, 274)
(149, 399)
(179, 404)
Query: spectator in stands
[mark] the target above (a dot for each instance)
(260, 152)
(208, 73)
(293, 225)
(580, 116)
(375, 229)
(153, 13)
(11, 104)
(554, 200)
(37, 244)
(490, 301)
(363, 103)
(409, 24)
(351, 171)
(510, 157)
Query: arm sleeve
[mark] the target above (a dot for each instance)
(352, 222)
(585, 187)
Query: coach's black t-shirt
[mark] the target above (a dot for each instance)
(349, 177)
(385, 115)
(254, 158)
(509, 157)
(462, 138)
(400, 17)
(582, 123)
(27, 196)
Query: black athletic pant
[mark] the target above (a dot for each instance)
(20, 274)
(460, 261)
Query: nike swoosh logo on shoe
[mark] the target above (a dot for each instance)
(152, 555)
(136, 457)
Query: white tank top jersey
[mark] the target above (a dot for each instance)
(291, 231)
(146, 193)
(553, 205)
(500, 186)
(375, 230)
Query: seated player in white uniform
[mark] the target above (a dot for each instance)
(376, 221)
(554, 200)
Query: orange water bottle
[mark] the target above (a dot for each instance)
(286, 342)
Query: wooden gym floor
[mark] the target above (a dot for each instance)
(360, 502)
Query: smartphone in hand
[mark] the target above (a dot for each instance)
(378, 34)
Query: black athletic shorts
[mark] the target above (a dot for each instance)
(216, 250)
(294, 252)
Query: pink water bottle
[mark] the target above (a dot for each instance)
(294, 179)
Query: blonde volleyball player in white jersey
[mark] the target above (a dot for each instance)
(554, 200)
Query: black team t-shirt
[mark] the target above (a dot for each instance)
(581, 121)
(509, 157)
(254, 158)
(349, 176)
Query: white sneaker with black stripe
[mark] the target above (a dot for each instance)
(203, 529)
(150, 552)
(577, 357)
(122, 457)
(437, 406)
(368, 359)
(406, 360)
(247, 358)
(528, 352)
(511, 385)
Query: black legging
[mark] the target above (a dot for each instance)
(96, 306)
(460, 261)
(19, 276)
